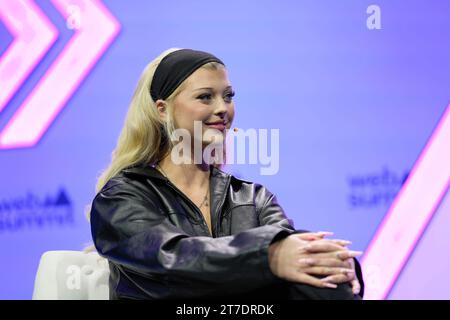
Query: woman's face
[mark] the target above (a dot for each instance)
(207, 97)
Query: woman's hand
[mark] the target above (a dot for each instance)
(304, 256)
(356, 286)
(354, 282)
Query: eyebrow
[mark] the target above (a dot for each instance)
(209, 88)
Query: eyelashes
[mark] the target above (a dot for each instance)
(207, 96)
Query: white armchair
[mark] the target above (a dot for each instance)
(71, 275)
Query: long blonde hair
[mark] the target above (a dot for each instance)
(144, 137)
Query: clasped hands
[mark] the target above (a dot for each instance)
(311, 259)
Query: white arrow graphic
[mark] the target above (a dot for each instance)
(33, 36)
(409, 214)
(97, 30)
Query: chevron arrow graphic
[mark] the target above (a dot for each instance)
(33, 36)
(409, 214)
(97, 30)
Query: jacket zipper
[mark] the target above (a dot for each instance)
(193, 205)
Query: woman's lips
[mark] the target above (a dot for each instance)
(218, 126)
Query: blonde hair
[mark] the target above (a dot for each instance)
(144, 138)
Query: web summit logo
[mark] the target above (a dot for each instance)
(375, 189)
(32, 211)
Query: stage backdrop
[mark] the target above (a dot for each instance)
(356, 88)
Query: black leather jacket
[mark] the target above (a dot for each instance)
(159, 246)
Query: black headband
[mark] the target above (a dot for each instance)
(174, 68)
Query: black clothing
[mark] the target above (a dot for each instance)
(159, 246)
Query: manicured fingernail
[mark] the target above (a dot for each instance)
(330, 285)
(343, 243)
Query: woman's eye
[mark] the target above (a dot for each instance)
(207, 96)
(204, 96)
(230, 96)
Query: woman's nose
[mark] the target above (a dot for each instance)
(220, 108)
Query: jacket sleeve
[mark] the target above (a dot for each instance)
(131, 231)
(271, 213)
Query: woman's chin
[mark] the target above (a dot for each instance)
(213, 136)
(213, 140)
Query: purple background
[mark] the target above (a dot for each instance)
(352, 104)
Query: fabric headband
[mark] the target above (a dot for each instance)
(174, 68)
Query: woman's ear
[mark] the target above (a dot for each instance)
(161, 106)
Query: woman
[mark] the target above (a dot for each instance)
(175, 227)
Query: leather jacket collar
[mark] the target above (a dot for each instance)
(219, 182)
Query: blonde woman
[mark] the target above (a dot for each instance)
(174, 225)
